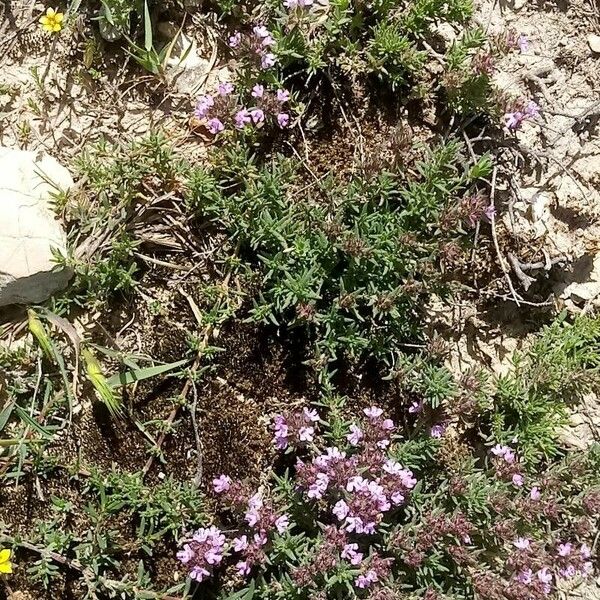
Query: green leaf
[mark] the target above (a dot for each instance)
(129, 377)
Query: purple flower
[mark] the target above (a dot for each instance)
(243, 567)
(565, 549)
(544, 575)
(240, 543)
(355, 435)
(310, 415)
(535, 493)
(282, 96)
(366, 580)
(517, 479)
(499, 450)
(509, 457)
(235, 40)
(350, 553)
(225, 89)
(521, 543)
(306, 434)
(532, 110)
(261, 31)
(319, 487)
(215, 126)
(205, 103)
(268, 40)
(490, 212)
(513, 120)
(525, 576)
(290, 3)
(268, 60)
(282, 523)
(221, 484)
(523, 43)
(374, 412)
(257, 115)
(340, 510)
(185, 555)
(198, 574)
(585, 551)
(258, 91)
(283, 119)
(415, 407)
(242, 118)
(437, 431)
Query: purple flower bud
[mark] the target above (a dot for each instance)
(415, 407)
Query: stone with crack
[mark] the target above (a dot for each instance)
(30, 233)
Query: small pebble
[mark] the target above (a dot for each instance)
(594, 42)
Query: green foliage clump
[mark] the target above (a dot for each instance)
(351, 263)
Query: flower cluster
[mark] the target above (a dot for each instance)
(218, 111)
(506, 465)
(521, 112)
(256, 45)
(294, 429)
(203, 552)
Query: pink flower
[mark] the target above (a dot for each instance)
(242, 118)
(235, 40)
(306, 434)
(282, 96)
(283, 120)
(257, 115)
(374, 412)
(225, 89)
(268, 60)
(525, 576)
(366, 580)
(318, 488)
(258, 91)
(437, 431)
(340, 510)
(585, 551)
(215, 126)
(310, 415)
(261, 31)
(499, 450)
(243, 567)
(565, 549)
(513, 120)
(240, 543)
(535, 493)
(221, 484)
(198, 574)
(523, 43)
(350, 553)
(355, 435)
(415, 407)
(185, 555)
(521, 543)
(517, 479)
(544, 575)
(282, 523)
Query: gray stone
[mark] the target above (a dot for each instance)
(29, 229)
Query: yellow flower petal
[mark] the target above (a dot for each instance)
(57, 27)
(50, 12)
(59, 17)
(5, 568)
(4, 555)
(44, 20)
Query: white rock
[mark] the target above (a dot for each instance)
(594, 42)
(30, 230)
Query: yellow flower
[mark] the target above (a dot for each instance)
(5, 566)
(52, 21)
